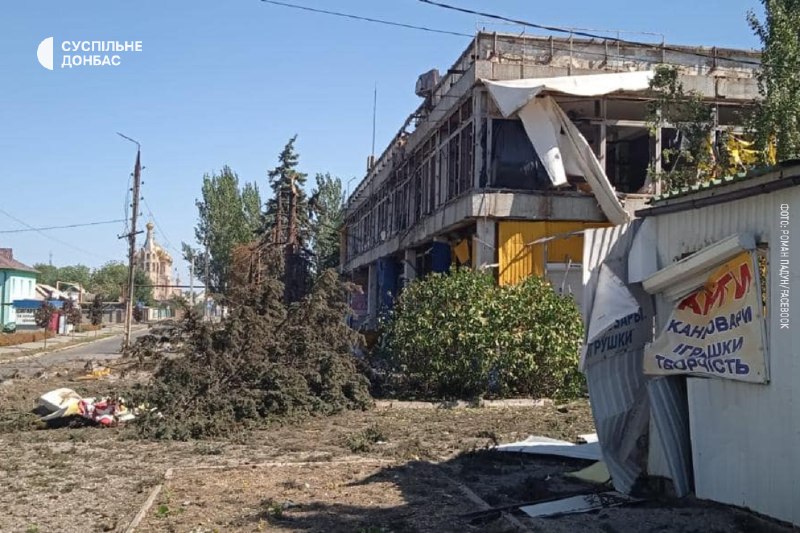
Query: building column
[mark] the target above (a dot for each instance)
(484, 243)
(602, 145)
(372, 292)
(409, 266)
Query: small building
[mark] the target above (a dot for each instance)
(691, 355)
(524, 138)
(17, 282)
(156, 262)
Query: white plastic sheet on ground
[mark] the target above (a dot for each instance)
(559, 144)
(547, 446)
(577, 504)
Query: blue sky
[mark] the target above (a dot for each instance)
(228, 83)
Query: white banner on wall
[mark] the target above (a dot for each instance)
(718, 330)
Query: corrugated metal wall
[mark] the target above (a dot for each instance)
(746, 437)
(518, 260)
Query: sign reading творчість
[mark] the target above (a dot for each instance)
(718, 330)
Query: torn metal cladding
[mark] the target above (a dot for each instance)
(459, 158)
(708, 262)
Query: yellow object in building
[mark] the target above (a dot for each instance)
(461, 251)
(518, 258)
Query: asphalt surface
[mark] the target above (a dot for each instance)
(69, 358)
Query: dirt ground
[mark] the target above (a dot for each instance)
(388, 469)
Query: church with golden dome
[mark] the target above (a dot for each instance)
(157, 264)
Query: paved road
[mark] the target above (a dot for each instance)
(77, 356)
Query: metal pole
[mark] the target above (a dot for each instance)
(205, 290)
(191, 280)
(137, 175)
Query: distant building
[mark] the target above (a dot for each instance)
(157, 264)
(17, 282)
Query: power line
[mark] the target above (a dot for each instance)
(155, 220)
(557, 29)
(367, 19)
(61, 227)
(42, 233)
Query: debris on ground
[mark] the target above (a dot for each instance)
(65, 403)
(596, 473)
(547, 446)
(578, 504)
(95, 373)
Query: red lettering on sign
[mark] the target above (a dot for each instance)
(711, 297)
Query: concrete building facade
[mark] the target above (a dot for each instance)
(461, 182)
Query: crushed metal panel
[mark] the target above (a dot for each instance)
(563, 150)
(643, 258)
(612, 362)
(577, 504)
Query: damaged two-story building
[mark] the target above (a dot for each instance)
(523, 139)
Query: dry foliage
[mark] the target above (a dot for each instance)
(265, 361)
(21, 337)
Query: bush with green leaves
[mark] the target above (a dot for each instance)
(459, 335)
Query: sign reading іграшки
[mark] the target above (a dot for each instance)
(716, 331)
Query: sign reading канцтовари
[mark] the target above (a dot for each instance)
(718, 330)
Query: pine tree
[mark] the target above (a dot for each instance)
(285, 180)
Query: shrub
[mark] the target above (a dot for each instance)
(461, 336)
(21, 337)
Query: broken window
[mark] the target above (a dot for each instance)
(627, 157)
(515, 164)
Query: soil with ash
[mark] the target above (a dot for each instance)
(379, 470)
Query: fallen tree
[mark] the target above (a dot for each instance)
(267, 360)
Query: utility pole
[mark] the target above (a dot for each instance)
(129, 296)
(191, 279)
(205, 291)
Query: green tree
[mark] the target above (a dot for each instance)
(42, 317)
(141, 289)
(51, 275)
(72, 314)
(692, 117)
(80, 274)
(110, 280)
(777, 117)
(284, 179)
(327, 210)
(48, 274)
(96, 312)
(227, 217)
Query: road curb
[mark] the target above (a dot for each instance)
(61, 349)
